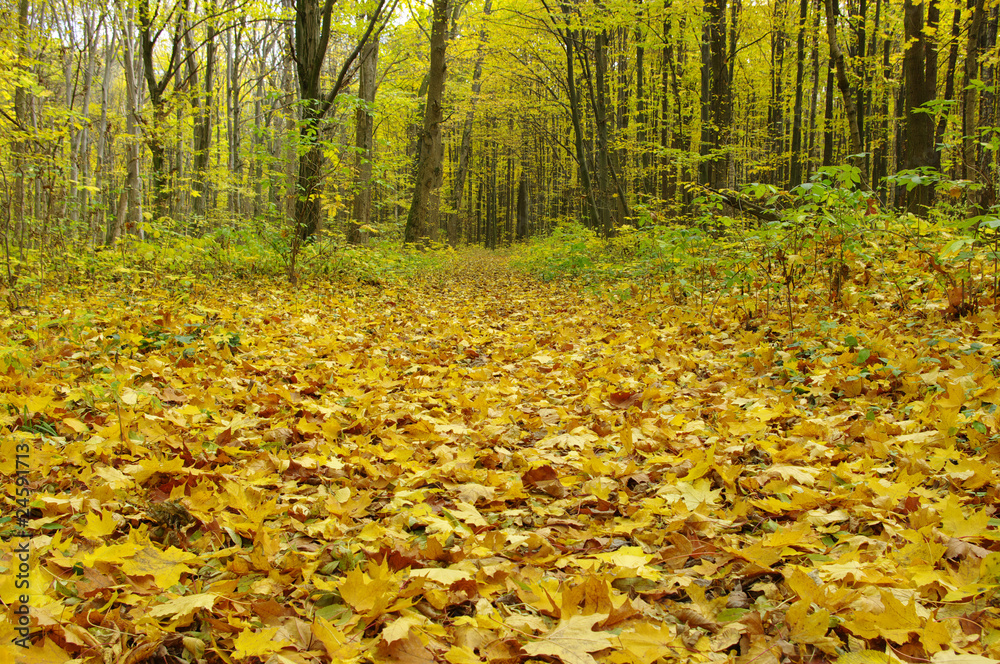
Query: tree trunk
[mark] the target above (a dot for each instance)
(920, 148)
(429, 166)
(568, 36)
(776, 119)
(719, 100)
(522, 208)
(828, 118)
(949, 80)
(644, 183)
(813, 154)
(312, 36)
(148, 37)
(880, 160)
(104, 150)
(837, 57)
(795, 177)
(862, 71)
(202, 129)
(21, 110)
(601, 121)
(466, 148)
(129, 210)
(364, 137)
(970, 74)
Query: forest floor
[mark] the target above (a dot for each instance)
(479, 467)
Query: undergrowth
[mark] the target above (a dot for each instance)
(181, 261)
(831, 248)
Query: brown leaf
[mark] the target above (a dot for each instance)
(623, 400)
(545, 478)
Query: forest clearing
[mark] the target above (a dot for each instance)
(473, 465)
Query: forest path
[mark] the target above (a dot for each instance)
(474, 466)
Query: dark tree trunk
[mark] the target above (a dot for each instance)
(828, 121)
(568, 37)
(644, 182)
(21, 110)
(466, 148)
(776, 119)
(880, 161)
(429, 167)
(312, 36)
(601, 121)
(861, 23)
(716, 98)
(522, 208)
(971, 73)
(918, 62)
(949, 79)
(795, 177)
(837, 57)
(814, 98)
(148, 35)
(202, 102)
(986, 163)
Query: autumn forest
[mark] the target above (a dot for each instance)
(471, 123)
(499, 332)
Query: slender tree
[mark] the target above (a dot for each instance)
(364, 141)
(313, 27)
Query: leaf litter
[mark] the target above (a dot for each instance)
(483, 468)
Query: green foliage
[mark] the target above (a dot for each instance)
(572, 250)
(830, 247)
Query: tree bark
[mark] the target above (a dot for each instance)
(466, 147)
(716, 168)
(568, 36)
(776, 119)
(837, 57)
(970, 74)
(21, 110)
(949, 80)
(429, 166)
(157, 87)
(522, 208)
(643, 182)
(795, 177)
(364, 137)
(312, 37)
(918, 62)
(202, 125)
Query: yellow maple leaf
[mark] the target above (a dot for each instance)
(894, 624)
(184, 607)
(573, 640)
(399, 628)
(444, 576)
(811, 628)
(115, 553)
(366, 594)
(339, 646)
(261, 643)
(955, 523)
(99, 527)
(166, 567)
(952, 657)
(865, 657)
(645, 643)
(462, 655)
